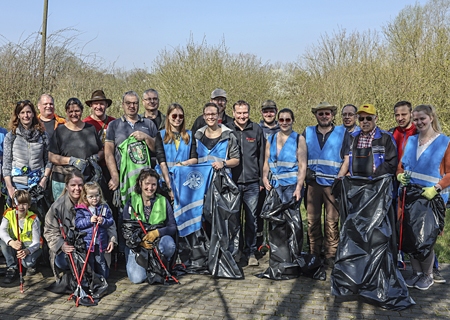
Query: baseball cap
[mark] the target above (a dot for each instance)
(218, 93)
(367, 108)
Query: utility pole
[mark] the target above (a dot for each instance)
(43, 45)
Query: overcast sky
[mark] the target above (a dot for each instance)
(131, 34)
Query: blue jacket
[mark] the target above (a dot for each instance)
(425, 171)
(327, 161)
(83, 223)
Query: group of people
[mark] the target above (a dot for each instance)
(98, 173)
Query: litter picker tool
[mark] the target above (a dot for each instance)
(18, 239)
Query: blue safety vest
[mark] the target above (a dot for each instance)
(327, 161)
(425, 171)
(284, 167)
(173, 156)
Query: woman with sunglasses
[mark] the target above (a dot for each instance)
(285, 159)
(174, 144)
(25, 156)
(216, 143)
(425, 162)
(71, 146)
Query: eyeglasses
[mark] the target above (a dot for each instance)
(326, 113)
(94, 196)
(151, 99)
(129, 103)
(285, 120)
(210, 115)
(368, 118)
(348, 115)
(179, 116)
(269, 111)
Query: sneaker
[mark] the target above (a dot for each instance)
(424, 282)
(437, 277)
(10, 276)
(31, 271)
(411, 281)
(252, 261)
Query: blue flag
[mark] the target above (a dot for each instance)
(189, 186)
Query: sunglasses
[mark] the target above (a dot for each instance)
(321, 114)
(179, 116)
(284, 120)
(368, 118)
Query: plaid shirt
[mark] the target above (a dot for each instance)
(365, 140)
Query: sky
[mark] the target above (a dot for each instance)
(131, 34)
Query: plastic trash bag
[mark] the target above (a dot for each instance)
(286, 261)
(423, 221)
(193, 251)
(222, 208)
(366, 255)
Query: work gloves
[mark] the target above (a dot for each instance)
(403, 179)
(429, 192)
(149, 238)
(78, 163)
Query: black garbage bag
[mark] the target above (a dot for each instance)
(286, 260)
(193, 251)
(423, 220)
(366, 255)
(223, 205)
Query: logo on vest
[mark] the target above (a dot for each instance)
(137, 153)
(194, 180)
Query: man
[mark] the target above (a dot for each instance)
(405, 128)
(324, 144)
(129, 136)
(98, 118)
(150, 99)
(372, 151)
(219, 97)
(47, 114)
(349, 117)
(269, 124)
(248, 173)
(401, 133)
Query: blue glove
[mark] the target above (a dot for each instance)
(429, 192)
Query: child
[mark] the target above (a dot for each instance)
(91, 210)
(29, 247)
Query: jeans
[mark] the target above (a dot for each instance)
(138, 274)
(11, 260)
(250, 196)
(98, 263)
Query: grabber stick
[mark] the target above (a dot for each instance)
(18, 239)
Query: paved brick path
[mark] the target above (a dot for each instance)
(201, 297)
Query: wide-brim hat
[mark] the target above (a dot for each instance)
(99, 95)
(324, 105)
(367, 108)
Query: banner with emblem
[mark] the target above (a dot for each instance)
(189, 185)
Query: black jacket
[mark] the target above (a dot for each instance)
(252, 146)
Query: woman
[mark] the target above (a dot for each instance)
(154, 210)
(425, 162)
(25, 156)
(216, 143)
(174, 144)
(63, 209)
(71, 145)
(285, 159)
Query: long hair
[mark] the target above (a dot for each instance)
(170, 136)
(73, 174)
(36, 124)
(431, 112)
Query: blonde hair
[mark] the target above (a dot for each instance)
(431, 112)
(92, 185)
